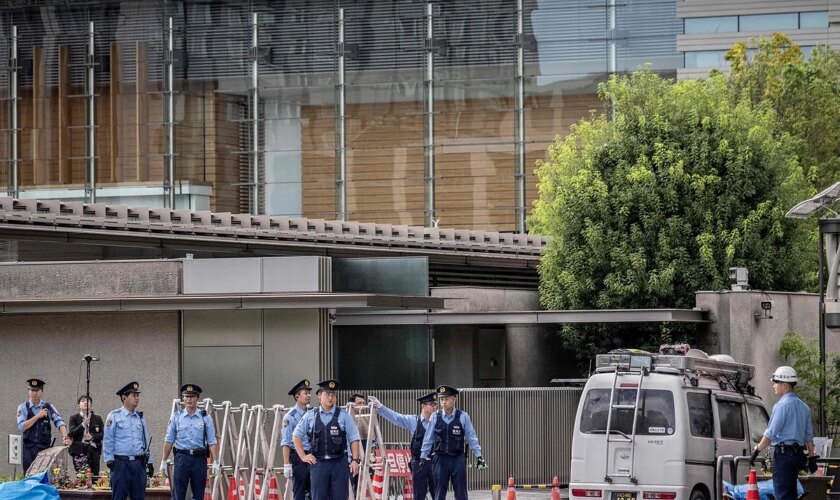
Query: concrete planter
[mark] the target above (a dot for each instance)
(151, 494)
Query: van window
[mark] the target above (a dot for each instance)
(731, 421)
(655, 417)
(700, 414)
(758, 422)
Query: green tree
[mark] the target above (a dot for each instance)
(805, 94)
(644, 210)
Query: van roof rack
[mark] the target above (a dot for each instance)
(694, 362)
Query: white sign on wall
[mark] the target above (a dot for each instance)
(15, 449)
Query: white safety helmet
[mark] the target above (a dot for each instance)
(785, 374)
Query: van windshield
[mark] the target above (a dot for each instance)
(655, 416)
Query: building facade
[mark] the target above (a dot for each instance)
(405, 112)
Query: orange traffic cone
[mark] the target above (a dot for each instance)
(232, 493)
(752, 486)
(273, 489)
(378, 478)
(257, 486)
(555, 488)
(408, 489)
(511, 491)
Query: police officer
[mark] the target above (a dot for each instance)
(192, 435)
(421, 478)
(450, 428)
(790, 432)
(325, 431)
(33, 421)
(293, 467)
(126, 450)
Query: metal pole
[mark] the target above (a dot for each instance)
(430, 117)
(255, 122)
(612, 63)
(12, 172)
(90, 126)
(169, 185)
(520, 118)
(822, 415)
(341, 130)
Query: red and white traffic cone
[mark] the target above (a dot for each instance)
(555, 488)
(257, 486)
(752, 486)
(208, 495)
(273, 489)
(233, 494)
(378, 478)
(408, 489)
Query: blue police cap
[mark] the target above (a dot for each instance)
(445, 390)
(190, 390)
(329, 385)
(35, 384)
(303, 384)
(129, 388)
(428, 398)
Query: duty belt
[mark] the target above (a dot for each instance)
(783, 448)
(201, 452)
(129, 457)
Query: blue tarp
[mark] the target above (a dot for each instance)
(35, 487)
(765, 490)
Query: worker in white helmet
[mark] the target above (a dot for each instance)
(790, 432)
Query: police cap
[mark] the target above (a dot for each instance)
(329, 385)
(428, 398)
(190, 390)
(445, 390)
(129, 388)
(303, 384)
(35, 384)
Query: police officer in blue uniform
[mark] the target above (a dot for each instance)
(450, 428)
(33, 421)
(293, 467)
(126, 449)
(192, 435)
(325, 431)
(791, 432)
(421, 477)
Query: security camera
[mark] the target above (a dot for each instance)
(766, 310)
(766, 305)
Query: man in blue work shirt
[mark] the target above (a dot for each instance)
(325, 431)
(192, 435)
(790, 432)
(421, 478)
(450, 427)
(33, 422)
(126, 446)
(294, 468)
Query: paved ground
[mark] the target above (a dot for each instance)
(520, 494)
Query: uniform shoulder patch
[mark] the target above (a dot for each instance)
(285, 423)
(18, 412)
(108, 422)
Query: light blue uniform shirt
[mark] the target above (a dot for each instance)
(469, 433)
(345, 422)
(55, 417)
(188, 431)
(290, 421)
(408, 422)
(790, 422)
(126, 434)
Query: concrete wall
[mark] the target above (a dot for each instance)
(734, 330)
(142, 347)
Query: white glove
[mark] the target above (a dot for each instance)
(374, 402)
(162, 469)
(214, 468)
(287, 471)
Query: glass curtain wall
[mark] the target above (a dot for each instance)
(419, 117)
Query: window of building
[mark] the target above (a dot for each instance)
(731, 421)
(704, 58)
(769, 22)
(810, 20)
(723, 24)
(700, 414)
(655, 415)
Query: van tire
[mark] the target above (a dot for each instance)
(698, 493)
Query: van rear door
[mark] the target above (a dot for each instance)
(731, 434)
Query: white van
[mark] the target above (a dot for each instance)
(651, 426)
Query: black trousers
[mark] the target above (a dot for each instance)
(90, 457)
